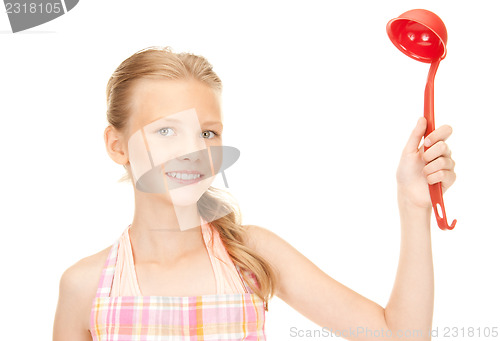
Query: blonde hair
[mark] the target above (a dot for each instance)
(154, 62)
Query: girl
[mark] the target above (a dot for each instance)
(185, 268)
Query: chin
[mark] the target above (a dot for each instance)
(187, 195)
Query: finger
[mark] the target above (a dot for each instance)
(439, 134)
(440, 148)
(421, 152)
(446, 177)
(441, 163)
(416, 136)
(449, 179)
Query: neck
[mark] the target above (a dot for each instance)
(161, 232)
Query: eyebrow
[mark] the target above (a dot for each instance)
(164, 118)
(213, 123)
(171, 119)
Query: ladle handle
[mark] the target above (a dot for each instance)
(434, 189)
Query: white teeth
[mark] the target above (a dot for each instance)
(184, 176)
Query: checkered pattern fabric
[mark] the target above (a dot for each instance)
(239, 316)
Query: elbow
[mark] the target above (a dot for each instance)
(406, 329)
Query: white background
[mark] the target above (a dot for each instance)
(320, 104)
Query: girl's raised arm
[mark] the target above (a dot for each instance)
(330, 304)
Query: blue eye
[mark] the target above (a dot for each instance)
(206, 134)
(163, 131)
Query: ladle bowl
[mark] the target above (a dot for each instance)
(422, 35)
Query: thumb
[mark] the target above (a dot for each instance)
(416, 136)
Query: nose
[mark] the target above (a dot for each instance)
(191, 148)
(190, 156)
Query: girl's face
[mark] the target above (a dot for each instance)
(171, 127)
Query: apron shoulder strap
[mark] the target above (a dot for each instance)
(107, 274)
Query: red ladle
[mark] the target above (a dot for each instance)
(421, 35)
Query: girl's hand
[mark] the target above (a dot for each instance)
(418, 169)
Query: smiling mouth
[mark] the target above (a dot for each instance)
(185, 177)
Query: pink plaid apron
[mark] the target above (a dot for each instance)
(238, 316)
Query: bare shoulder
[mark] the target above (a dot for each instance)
(270, 246)
(264, 240)
(77, 289)
(84, 274)
(285, 258)
(258, 237)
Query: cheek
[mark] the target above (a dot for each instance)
(214, 142)
(138, 156)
